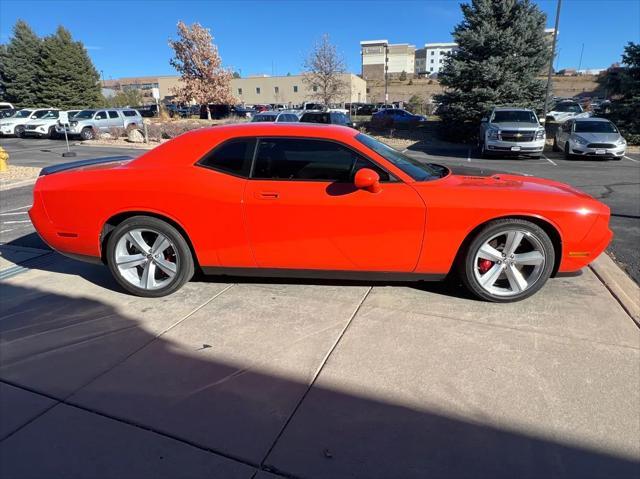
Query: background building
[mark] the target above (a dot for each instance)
(399, 58)
(287, 90)
(435, 55)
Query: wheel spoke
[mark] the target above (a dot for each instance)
(135, 237)
(516, 280)
(489, 252)
(130, 261)
(148, 280)
(532, 258)
(168, 267)
(160, 244)
(514, 238)
(490, 277)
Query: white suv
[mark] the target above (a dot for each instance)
(511, 131)
(89, 122)
(43, 125)
(15, 124)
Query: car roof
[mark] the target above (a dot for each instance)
(508, 108)
(283, 129)
(592, 118)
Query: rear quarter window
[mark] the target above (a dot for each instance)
(232, 157)
(130, 113)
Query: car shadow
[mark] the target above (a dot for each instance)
(96, 359)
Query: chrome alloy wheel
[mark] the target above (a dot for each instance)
(509, 263)
(146, 258)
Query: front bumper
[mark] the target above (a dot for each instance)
(40, 131)
(515, 147)
(580, 150)
(7, 130)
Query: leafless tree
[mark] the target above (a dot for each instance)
(324, 71)
(202, 76)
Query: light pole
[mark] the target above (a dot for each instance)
(386, 69)
(553, 53)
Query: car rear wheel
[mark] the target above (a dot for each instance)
(19, 131)
(567, 151)
(149, 257)
(555, 144)
(508, 260)
(87, 133)
(52, 134)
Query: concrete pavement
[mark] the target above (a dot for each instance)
(305, 379)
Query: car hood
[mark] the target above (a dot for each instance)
(599, 137)
(14, 121)
(517, 126)
(39, 121)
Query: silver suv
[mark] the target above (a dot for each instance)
(511, 131)
(88, 123)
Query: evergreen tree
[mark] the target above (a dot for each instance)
(67, 77)
(20, 66)
(502, 51)
(3, 77)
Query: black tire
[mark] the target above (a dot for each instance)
(535, 157)
(483, 151)
(52, 134)
(466, 264)
(184, 259)
(555, 144)
(19, 131)
(567, 153)
(87, 133)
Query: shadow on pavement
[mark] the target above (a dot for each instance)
(226, 405)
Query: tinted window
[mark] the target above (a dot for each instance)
(101, 115)
(316, 118)
(130, 113)
(301, 159)
(287, 117)
(515, 116)
(113, 114)
(231, 157)
(264, 118)
(568, 107)
(595, 127)
(84, 115)
(339, 119)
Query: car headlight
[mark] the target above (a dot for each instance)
(580, 141)
(74, 123)
(540, 135)
(493, 134)
(621, 141)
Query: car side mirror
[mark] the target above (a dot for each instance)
(367, 179)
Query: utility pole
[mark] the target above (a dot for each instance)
(580, 62)
(553, 53)
(386, 68)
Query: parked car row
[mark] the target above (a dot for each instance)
(45, 122)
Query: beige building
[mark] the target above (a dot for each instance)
(288, 90)
(399, 58)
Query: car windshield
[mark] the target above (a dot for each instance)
(84, 115)
(44, 114)
(415, 169)
(567, 107)
(514, 116)
(595, 127)
(263, 118)
(23, 114)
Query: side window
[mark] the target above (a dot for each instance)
(364, 163)
(232, 157)
(113, 114)
(101, 115)
(567, 126)
(302, 159)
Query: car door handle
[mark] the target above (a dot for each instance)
(268, 195)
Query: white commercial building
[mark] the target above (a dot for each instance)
(435, 55)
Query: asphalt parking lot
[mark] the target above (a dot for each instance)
(262, 379)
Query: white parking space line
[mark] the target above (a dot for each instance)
(16, 209)
(5, 231)
(14, 214)
(15, 222)
(469, 154)
(550, 161)
(635, 161)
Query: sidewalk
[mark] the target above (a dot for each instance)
(313, 380)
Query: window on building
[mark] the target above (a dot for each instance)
(276, 90)
(433, 52)
(231, 157)
(257, 90)
(295, 88)
(441, 60)
(431, 69)
(432, 60)
(315, 88)
(368, 90)
(239, 91)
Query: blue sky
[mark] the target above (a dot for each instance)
(129, 38)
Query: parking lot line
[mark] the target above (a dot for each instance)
(635, 161)
(16, 209)
(550, 161)
(469, 154)
(15, 222)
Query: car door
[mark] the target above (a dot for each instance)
(101, 120)
(115, 120)
(564, 132)
(302, 210)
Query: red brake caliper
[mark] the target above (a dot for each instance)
(484, 265)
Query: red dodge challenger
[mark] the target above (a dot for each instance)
(295, 200)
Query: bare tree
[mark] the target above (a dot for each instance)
(202, 76)
(324, 71)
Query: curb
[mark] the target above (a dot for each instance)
(623, 288)
(17, 184)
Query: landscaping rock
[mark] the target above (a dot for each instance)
(134, 136)
(106, 136)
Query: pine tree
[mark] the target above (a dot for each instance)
(626, 92)
(502, 51)
(3, 76)
(20, 66)
(67, 77)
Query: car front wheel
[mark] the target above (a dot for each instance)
(508, 260)
(19, 131)
(87, 134)
(148, 257)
